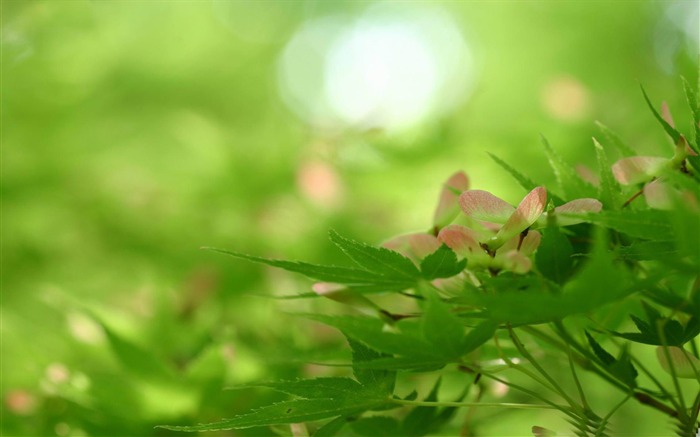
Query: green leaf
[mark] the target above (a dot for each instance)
(624, 370)
(569, 181)
(380, 382)
(138, 361)
(342, 275)
(670, 130)
(648, 224)
(609, 188)
(370, 332)
(674, 334)
(322, 398)
(443, 330)
(525, 182)
(622, 367)
(382, 261)
(481, 333)
(649, 250)
(554, 255)
(425, 420)
(294, 411)
(692, 329)
(694, 104)
(599, 352)
(615, 140)
(331, 428)
(442, 264)
(599, 282)
(376, 426)
(329, 387)
(415, 363)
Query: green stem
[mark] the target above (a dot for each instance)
(569, 354)
(637, 362)
(696, 410)
(591, 359)
(543, 372)
(478, 404)
(601, 429)
(683, 412)
(564, 409)
(656, 382)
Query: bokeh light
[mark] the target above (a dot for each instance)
(392, 68)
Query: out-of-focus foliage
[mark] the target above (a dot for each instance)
(135, 132)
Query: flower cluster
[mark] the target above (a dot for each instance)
(490, 233)
(649, 170)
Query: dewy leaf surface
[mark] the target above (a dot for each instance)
(379, 260)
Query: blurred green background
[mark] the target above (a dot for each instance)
(135, 132)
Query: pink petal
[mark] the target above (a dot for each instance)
(341, 294)
(527, 213)
(684, 364)
(527, 245)
(414, 246)
(482, 205)
(326, 288)
(658, 195)
(688, 149)
(516, 262)
(448, 205)
(587, 175)
(637, 169)
(578, 206)
(453, 286)
(666, 114)
(530, 243)
(462, 240)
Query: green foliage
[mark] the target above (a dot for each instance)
(442, 263)
(554, 256)
(383, 262)
(569, 181)
(316, 399)
(459, 301)
(135, 132)
(621, 367)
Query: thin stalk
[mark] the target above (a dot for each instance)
(478, 404)
(696, 409)
(569, 354)
(662, 335)
(532, 375)
(564, 409)
(636, 361)
(564, 334)
(547, 376)
(601, 428)
(656, 382)
(639, 396)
